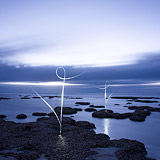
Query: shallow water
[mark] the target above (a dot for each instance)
(146, 132)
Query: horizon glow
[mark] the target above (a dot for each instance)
(40, 83)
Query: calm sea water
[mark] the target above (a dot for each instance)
(146, 132)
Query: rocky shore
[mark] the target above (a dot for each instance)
(30, 141)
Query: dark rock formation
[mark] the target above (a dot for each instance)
(146, 101)
(39, 114)
(2, 116)
(25, 97)
(129, 149)
(90, 109)
(36, 97)
(21, 116)
(4, 98)
(104, 113)
(66, 110)
(83, 103)
(148, 108)
(28, 141)
(117, 104)
(85, 124)
(96, 106)
(78, 109)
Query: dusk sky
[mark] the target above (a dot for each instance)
(109, 39)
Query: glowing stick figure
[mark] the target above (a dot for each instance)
(105, 94)
(62, 98)
(62, 95)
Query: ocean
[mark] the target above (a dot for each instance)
(146, 132)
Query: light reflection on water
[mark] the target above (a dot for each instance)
(106, 124)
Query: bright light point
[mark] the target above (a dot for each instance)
(40, 83)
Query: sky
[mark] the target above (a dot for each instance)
(109, 39)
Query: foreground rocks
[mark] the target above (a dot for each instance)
(28, 141)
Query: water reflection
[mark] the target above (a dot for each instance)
(106, 124)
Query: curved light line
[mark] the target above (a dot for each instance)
(105, 86)
(65, 74)
(47, 105)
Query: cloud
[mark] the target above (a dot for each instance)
(145, 70)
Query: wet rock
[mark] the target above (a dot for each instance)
(117, 104)
(102, 140)
(42, 118)
(153, 109)
(122, 115)
(85, 124)
(146, 101)
(25, 97)
(39, 114)
(104, 113)
(2, 116)
(129, 149)
(78, 109)
(21, 116)
(136, 117)
(139, 107)
(96, 106)
(36, 97)
(129, 103)
(28, 141)
(4, 98)
(90, 109)
(83, 103)
(66, 110)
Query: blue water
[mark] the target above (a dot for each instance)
(146, 132)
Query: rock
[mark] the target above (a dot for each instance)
(25, 97)
(122, 115)
(83, 103)
(102, 140)
(42, 118)
(36, 97)
(90, 109)
(104, 113)
(85, 124)
(4, 98)
(21, 116)
(146, 101)
(2, 116)
(39, 114)
(129, 103)
(117, 104)
(66, 110)
(135, 117)
(153, 109)
(78, 109)
(28, 141)
(96, 106)
(129, 149)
